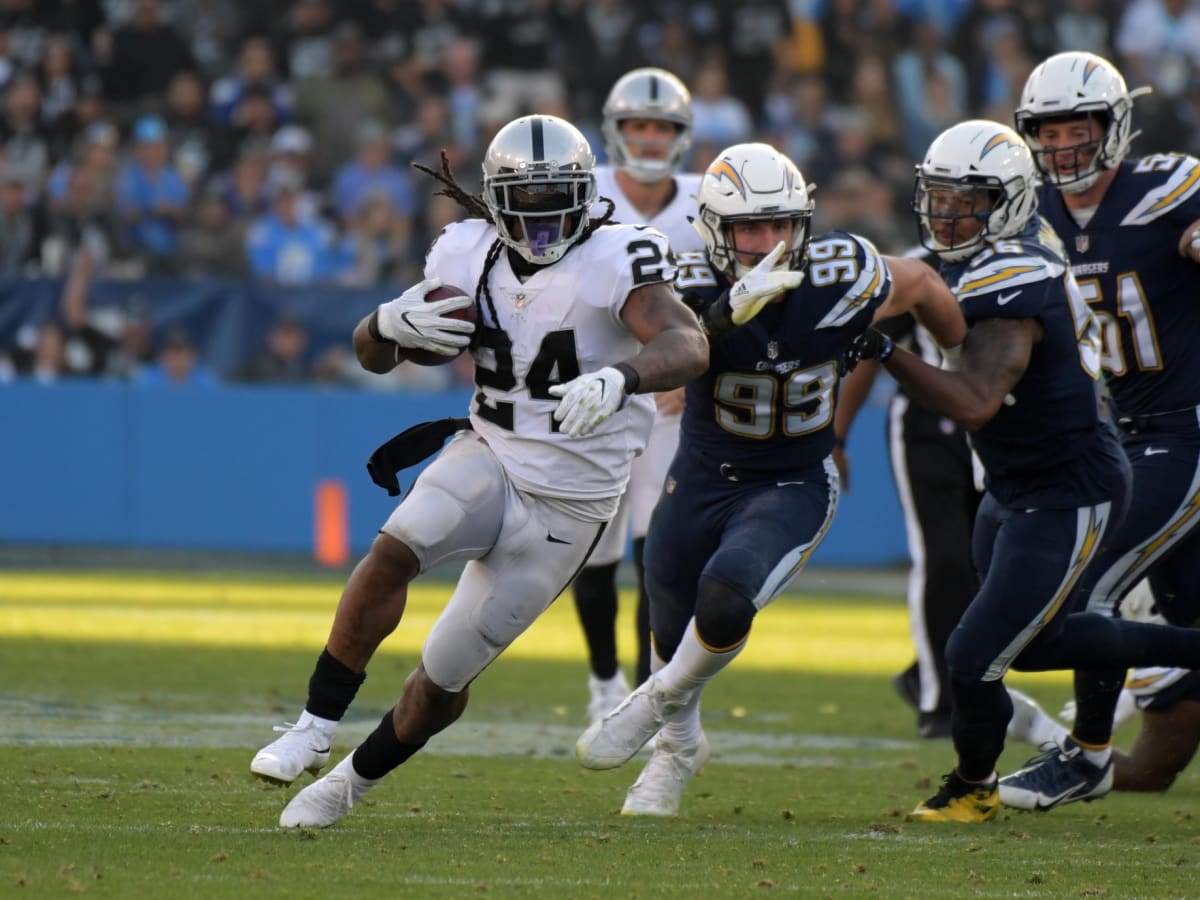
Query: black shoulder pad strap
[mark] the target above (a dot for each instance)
(409, 447)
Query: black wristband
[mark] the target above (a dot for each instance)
(632, 379)
(373, 328)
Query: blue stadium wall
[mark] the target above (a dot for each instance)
(236, 468)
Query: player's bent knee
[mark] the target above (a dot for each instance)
(723, 616)
(393, 559)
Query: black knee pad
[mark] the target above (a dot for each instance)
(723, 616)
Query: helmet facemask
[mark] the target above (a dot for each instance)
(541, 218)
(1098, 151)
(943, 205)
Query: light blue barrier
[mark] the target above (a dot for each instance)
(236, 468)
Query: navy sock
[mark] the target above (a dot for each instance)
(1096, 695)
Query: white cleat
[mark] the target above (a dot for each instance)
(1031, 723)
(302, 748)
(326, 800)
(606, 694)
(660, 787)
(615, 739)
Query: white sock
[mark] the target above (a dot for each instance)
(693, 664)
(326, 726)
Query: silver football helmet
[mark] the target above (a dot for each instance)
(976, 170)
(647, 94)
(752, 182)
(539, 181)
(1076, 85)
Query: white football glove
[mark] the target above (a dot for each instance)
(758, 286)
(411, 322)
(588, 400)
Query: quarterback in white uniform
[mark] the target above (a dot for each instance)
(574, 317)
(647, 126)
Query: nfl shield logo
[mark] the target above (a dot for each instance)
(772, 349)
(1082, 243)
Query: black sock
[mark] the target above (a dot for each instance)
(981, 713)
(381, 751)
(1096, 695)
(643, 611)
(596, 603)
(332, 687)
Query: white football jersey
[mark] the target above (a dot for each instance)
(671, 221)
(563, 321)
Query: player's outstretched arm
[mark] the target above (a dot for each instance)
(916, 287)
(995, 356)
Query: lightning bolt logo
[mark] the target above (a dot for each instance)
(722, 170)
(1092, 66)
(1000, 139)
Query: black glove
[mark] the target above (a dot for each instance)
(871, 344)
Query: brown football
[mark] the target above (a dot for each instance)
(467, 314)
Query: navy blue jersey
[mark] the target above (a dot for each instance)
(767, 398)
(1145, 295)
(1047, 445)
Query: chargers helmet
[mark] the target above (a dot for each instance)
(1074, 85)
(648, 93)
(752, 182)
(970, 156)
(539, 181)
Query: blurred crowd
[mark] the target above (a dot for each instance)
(273, 140)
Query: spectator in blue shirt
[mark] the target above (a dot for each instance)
(152, 196)
(371, 173)
(177, 365)
(283, 248)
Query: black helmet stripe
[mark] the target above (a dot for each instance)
(539, 140)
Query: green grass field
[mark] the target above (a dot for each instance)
(130, 705)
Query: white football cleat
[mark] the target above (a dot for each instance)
(615, 739)
(327, 799)
(660, 787)
(302, 747)
(606, 694)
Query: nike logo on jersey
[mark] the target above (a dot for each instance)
(552, 539)
(786, 483)
(1154, 451)
(1004, 298)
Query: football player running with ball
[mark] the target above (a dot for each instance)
(1026, 388)
(753, 488)
(1132, 233)
(647, 130)
(577, 324)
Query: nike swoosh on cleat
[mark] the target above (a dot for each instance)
(552, 539)
(1065, 795)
